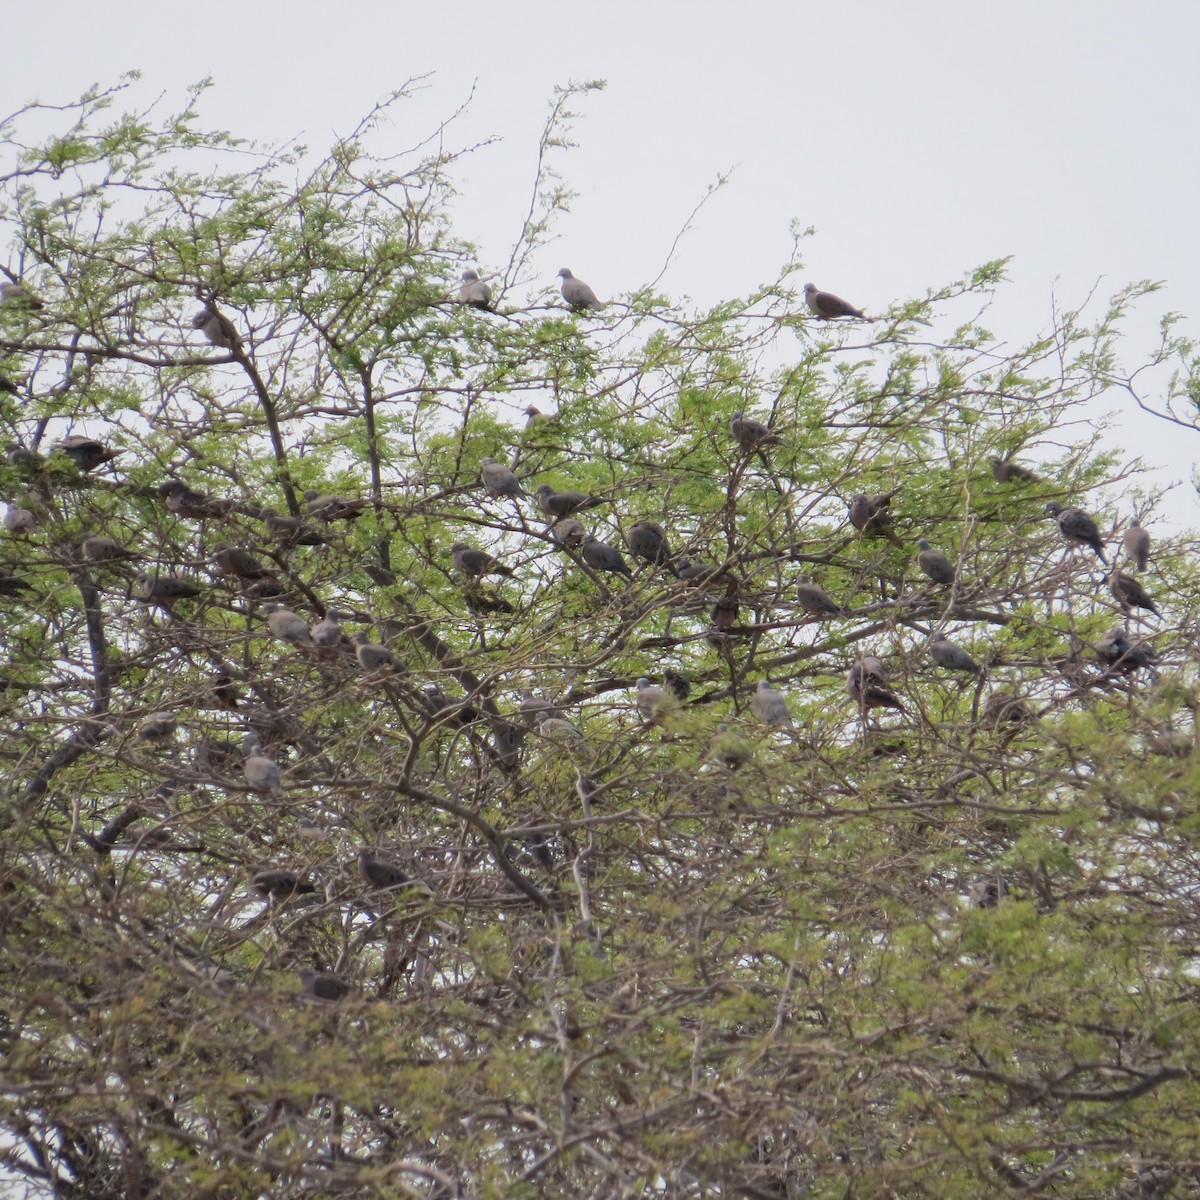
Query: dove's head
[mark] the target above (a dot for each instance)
(565, 273)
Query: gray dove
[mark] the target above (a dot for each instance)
(648, 540)
(1005, 471)
(85, 452)
(287, 626)
(770, 706)
(1117, 650)
(20, 521)
(949, 656)
(752, 435)
(262, 773)
(240, 563)
(164, 589)
(99, 549)
(567, 531)
(290, 531)
(327, 633)
(813, 598)
(563, 504)
(577, 293)
(498, 480)
(866, 683)
(158, 728)
(934, 563)
(600, 556)
(1137, 544)
(678, 682)
(474, 291)
(379, 873)
(279, 883)
(1077, 527)
(218, 328)
(532, 706)
(560, 731)
(17, 294)
(869, 514)
(476, 563)
(826, 305)
(323, 986)
(373, 657)
(652, 701)
(333, 508)
(1129, 594)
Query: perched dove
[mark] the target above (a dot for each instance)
(184, 501)
(1117, 650)
(987, 891)
(698, 574)
(278, 883)
(18, 295)
(770, 706)
(577, 293)
(532, 706)
(241, 563)
(474, 564)
(19, 521)
(218, 328)
(165, 589)
(562, 732)
(327, 632)
(374, 658)
(814, 599)
(600, 556)
(291, 531)
(474, 291)
(12, 585)
(158, 728)
(85, 452)
(934, 563)
(1077, 527)
(752, 435)
(324, 986)
(22, 456)
(1004, 470)
(262, 773)
(1137, 544)
(1130, 594)
(826, 305)
(678, 682)
(498, 480)
(99, 549)
(950, 656)
(730, 750)
(867, 686)
(333, 508)
(287, 626)
(652, 701)
(648, 540)
(563, 504)
(1002, 707)
(379, 873)
(567, 531)
(724, 615)
(869, 514)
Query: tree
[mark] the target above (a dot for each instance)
(305, 920)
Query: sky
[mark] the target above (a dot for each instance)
(918, 140)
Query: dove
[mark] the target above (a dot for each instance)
(652, 701)
(290, 531)
(184, 501)
(814, 599)
(950, 656)
(1130, 594)
(99, 549)
(568, 532)
(18, 295)
(600, 556)
(648, 540)
(333, 508)
(577, 293)
(869, 514)
(262, 773)
(474, 291)
(12, 585)
(724, 615)
(158, 728)
(323, 986)
(532, 706)
(752, 435)
(287, 626)
(374, 658)
(1005, 471)
(1077, 527)
(278, 883)
(535, 417)
(770, 706)
(379, 873)
(22, 456)
(498, 480)
(241, 563)
(379, 575)
(218, 328)
(1002, 707)
(85, 452)
(563, 504)
(19, 521)
(1136, 542)
(987, 891)
(476, 563)
(678, 682)
(866, 684)
(165, 589)
(1117, 650)
(826, 305)
(730, 750)
(326, 633)
(697, 574)
(560, 731)
(934, 563)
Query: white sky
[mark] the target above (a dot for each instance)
(919, 139)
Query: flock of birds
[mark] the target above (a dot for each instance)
(646, 542)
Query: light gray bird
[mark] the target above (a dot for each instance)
(164, 590)
(262, 773)
(826, 305)
(1130, 594)
(950, 656)
(474, 291)
(652, 701)
(1137, 544)
(934, 563)
(327, 632)
(475, 564)
(752, 435)
(563, 504)
(600, 556)
(498, 480)
(567, 531)
(1004, 470)
(85, 452)
(869, 514)
(287, 626)
(532, 706)
(218, 328)
(242, 564)
(290, 531)
(648, 540)
(577, 293)
(770, 706)
(379, 873)
(1077, 527)
(99, 549)
(374, 658)
(18, 295)
(563, 733)
(158, 728)
(866, 684)
(814, 599)
(19, 521)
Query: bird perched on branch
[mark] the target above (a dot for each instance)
(752, 435)
(866, 683)
(379, 873)
(648, 540)
(814, 599)
(85, 452)
(474, 291)
(1004, 470)
(1077, 527)
(218, 328)
(950, 656)
(577, 293)
(934, 563)
(600, 556)
(1136, 542)
(474, 564)
(868, 514)
(498, 480)
(19, 296)
(1130, 594)
(262, 773)
(770, 706)
(826, 305)
(563, 504)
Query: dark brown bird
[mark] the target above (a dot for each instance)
(476, 563)
(934, 563)
(379, 873)
(752, 435)
(291, 531)
(1116, 650)
(231, 560)
(277, 883)
(165, 589)
(1130, 594)
(1006, 708)
(12, 585)
(868, 514)
(868, 690)
(184, 501)
(679, 683)
(814, 599)
(99, 549)
(1077, 527)
(1005, 471)
(323, 986)
(563, 504)
(567, 531)
(648, 540)
(1137, 544)
(85, 452)
(724, 615)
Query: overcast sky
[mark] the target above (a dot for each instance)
(919, 140)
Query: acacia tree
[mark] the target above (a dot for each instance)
(935, 939)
